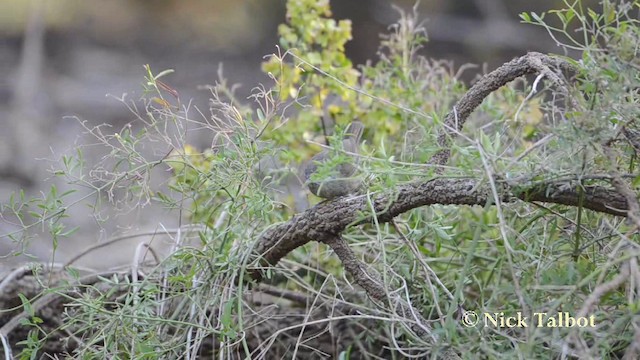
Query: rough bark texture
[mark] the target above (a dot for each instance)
(330, 218)
(528, 64)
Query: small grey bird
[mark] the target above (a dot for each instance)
(343, 179)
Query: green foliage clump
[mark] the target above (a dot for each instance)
(396, 94)
(320, 40)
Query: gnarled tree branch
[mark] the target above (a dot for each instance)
(530, 63)
(329, 218)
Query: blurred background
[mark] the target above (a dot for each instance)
(60, 59)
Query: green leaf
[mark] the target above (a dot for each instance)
(525, 16)
(26, 305)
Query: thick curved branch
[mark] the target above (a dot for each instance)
(530, 63)
(330, 218)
